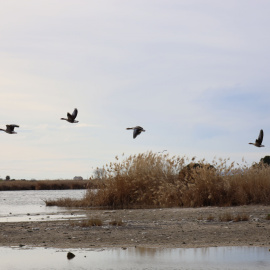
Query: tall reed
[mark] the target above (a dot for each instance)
(156, 180)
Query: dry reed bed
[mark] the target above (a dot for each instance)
(46, 185)
(155, 180)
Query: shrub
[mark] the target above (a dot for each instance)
(226, 217)
(117, 222)
(91, 222)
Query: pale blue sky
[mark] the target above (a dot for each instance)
(194, 74)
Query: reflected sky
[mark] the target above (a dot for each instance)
(137, 258)
(30, 204)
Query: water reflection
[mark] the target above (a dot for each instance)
(52, 217)
(137, 258)
(27, 205)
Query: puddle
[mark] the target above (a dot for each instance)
(137, 258)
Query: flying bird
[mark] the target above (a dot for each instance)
(258, 142)
(10, 129)
(136, 131)
(71, 117)
(162, 151)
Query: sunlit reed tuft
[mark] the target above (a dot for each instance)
(116, 222)
(90, 222)
(157, 180)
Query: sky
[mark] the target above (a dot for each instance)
(194, 74)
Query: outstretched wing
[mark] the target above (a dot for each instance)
(260, 138)
(74, 114)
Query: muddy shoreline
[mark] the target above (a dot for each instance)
(157, 228)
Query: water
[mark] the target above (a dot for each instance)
(28, 205)
(25, 205)
(137, 258)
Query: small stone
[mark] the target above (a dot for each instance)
(70, 255)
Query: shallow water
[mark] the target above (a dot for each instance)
(25, 205)
(137, 258)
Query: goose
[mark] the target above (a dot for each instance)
(258, 142)
(10, 129)
(71, 117)
(136, 131)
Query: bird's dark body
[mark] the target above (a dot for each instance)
(258, 142)
(10, 129)
(71, 117)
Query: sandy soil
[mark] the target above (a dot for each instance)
(167, 228)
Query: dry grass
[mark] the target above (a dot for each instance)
(46, 184)
(90, 222)
(156, 180)
(241, 217)
(117, 222)
(210, 218)
(64, 202)
(230, 217)
(226, 217)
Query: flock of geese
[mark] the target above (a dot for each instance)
(136, 130)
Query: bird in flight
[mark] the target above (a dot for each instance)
(162, 151)
(258, 142)
(136, 131)
(10, 129)
(71, 117)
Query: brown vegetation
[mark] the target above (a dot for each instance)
(230, 217)
(91, 222)
(155, 180)
(46, 184)
(210, 218)
(116, 222)
(241, 217)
